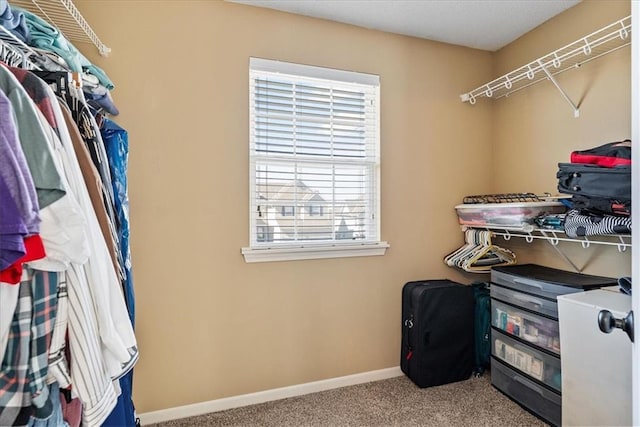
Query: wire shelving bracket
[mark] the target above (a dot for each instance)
(64, 15)
(599, 43)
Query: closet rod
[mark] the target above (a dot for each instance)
(529, 233)
(601, 42)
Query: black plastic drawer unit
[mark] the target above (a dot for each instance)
(540, 331)
(525, 345)
(527, 360)
(537, 399)
(530, 302)
(546, 281)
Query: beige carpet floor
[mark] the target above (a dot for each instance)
(392, 402)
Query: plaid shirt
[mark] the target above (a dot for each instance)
(23, 372)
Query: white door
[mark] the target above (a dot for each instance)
(635, 177)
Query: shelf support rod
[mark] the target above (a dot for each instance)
(576, 111)
(561, 253)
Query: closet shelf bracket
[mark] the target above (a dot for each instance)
(608, 39)
(576, 110)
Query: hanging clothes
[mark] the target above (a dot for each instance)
(90, 304)
(66, 289)
(57, 417)
(24, 369)
(45, 36)
(94, 186)
(15, 170)
(116, 142)
(107, 326)
(62, 226)
(13, 230)
(88, 130)
(37, 151)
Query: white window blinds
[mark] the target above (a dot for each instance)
(314, 153)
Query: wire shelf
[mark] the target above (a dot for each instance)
(64, 15)
(608, 39)
(554, 236)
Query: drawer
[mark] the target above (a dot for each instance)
(529, 285)
(545, 281)
(535, 363)
(538, 330)
(537, 399)
(531, 302)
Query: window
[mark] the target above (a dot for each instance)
(314, 210)
(314, 162)
(288, 211)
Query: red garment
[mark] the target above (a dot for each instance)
(71, 411)
(36, 89)
(35, 250)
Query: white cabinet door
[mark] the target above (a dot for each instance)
(596, 367)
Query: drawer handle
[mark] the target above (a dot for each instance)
(529, 385)
(530, 300)
(526, 282)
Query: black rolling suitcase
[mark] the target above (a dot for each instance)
(437, 332)
(595, 181)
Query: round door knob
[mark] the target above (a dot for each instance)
(607, 323)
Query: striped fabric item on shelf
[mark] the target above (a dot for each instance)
(577, 224)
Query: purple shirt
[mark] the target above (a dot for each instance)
(12, 229)
(14, 171)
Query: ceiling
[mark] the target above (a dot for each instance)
(481, 24)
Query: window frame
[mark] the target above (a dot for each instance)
(315, 209)
(261, 251)
(287, 210)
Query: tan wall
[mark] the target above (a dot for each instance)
(208, 324)
(211, 326)
(534, 129)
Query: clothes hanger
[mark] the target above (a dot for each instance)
(470, 237)
(487, 256)
(482, 240)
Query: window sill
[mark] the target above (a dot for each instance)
(313, 252)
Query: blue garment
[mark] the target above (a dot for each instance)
(14, 21)
(101, 99)
(56, 419)
(47, 37)
(116, 143)
(123, 415)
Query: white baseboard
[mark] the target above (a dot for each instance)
(265, 396)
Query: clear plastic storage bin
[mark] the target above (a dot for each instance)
(538, 330)
(536, 364)
(528, 301)
(521, 214)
